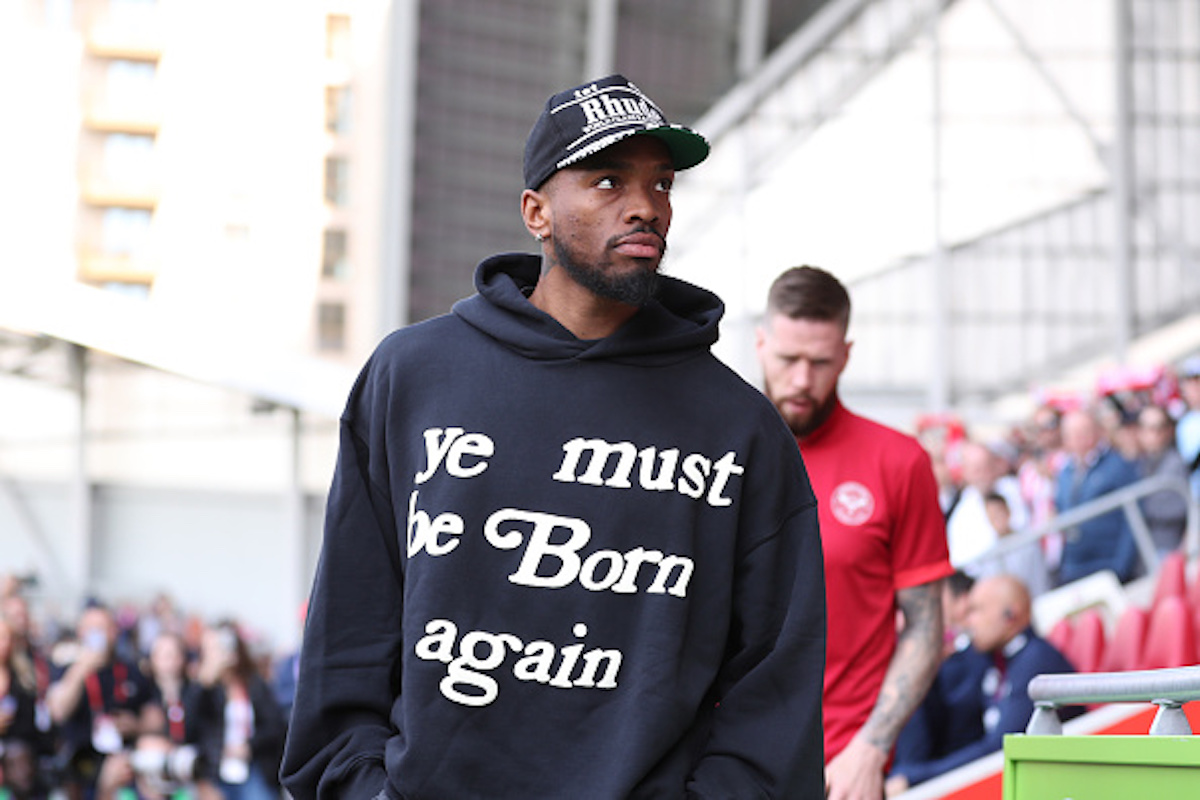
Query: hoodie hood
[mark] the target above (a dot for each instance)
(679, 323)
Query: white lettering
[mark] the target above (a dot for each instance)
(468, 680)
(450, 445)
(587, 461)
(723, 469)
(423, 534)
(695, 473)
(549, 565)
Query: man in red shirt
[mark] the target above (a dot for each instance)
(882, 533)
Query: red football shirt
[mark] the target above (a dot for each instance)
(882, 530)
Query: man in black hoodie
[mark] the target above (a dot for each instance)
(568, 553)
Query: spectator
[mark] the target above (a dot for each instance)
(956, 598)
(1026, 562)
(18, 695)
(21, 778)
(968, 529)
(1037, 476)
(240, 726)
(1093, 470)
(981, 693)
(1165, 511)
(882, 531)
(97, 700)
(26, 653)
(1187, 431)
(917, 741)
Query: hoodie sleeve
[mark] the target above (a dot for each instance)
(349, 672)
(766, 735)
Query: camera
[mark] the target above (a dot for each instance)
(166, 770)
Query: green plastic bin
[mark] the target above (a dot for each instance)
(1101, 767)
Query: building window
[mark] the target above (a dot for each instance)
(129, 156)
(124, 231)
(337, 37)
(333, 255)
(331, 326)
(337, 174)
(337, 109)
(129, 81)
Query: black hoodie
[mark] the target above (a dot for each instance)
(557, 568)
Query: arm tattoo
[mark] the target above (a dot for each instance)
(913, 666)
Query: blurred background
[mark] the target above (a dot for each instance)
(212, 210)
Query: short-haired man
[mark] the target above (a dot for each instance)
(882, 531)
(568, 553)
(982, 693)
(1093, 469)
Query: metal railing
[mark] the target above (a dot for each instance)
(1169, 689)
(1125, 499)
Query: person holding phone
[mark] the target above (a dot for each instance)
(98, 700)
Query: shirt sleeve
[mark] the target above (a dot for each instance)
(920, 551)
(766, 737)
(349, 672)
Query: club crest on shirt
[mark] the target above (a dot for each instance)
(852, 503)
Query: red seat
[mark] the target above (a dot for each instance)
(1125, 650)
(1085, 650)
(1060, 635)
(1193, 594)
(1172, 578)
(1171, 639)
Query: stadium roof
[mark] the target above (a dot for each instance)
(134, 330)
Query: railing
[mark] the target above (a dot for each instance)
(1169, 689)
(1125, 499)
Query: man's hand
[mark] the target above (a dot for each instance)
(856, 773)
(896, 786)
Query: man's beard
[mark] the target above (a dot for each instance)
(635, 287)
(802, 427)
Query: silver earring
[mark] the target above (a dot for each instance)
(539, 237)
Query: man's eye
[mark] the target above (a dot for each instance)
(605, 183)
(665, 185)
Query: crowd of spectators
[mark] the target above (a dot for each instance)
(129, 703)
(1072, 450)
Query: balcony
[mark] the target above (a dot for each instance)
(120, 112)
(99, 268)
(133, 32)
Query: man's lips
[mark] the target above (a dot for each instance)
(798, 403)
(641, 245)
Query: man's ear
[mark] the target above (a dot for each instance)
(535, 211)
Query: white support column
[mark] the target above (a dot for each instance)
(940, 378)
(295, 534)
(80, 543)
(398, 154)
(601, 39)
(1122, 170)
(752, 36)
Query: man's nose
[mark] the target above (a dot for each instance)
(800, 375)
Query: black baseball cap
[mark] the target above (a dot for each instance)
(584, 120)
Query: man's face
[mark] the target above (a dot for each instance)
(609, 218)
(1189, 389)
(1080, 433)
(97, 630)
(1155, 433)
(802, 360)
(986, 620)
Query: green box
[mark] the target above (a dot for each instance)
(1101, 767)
